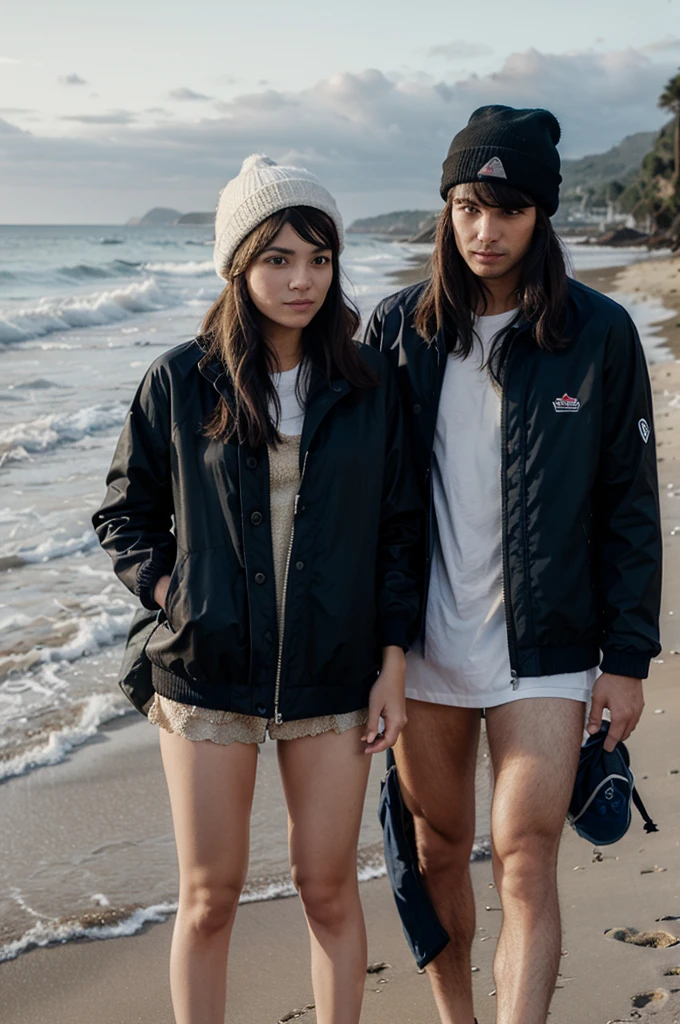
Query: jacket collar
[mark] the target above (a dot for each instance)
(323, 395)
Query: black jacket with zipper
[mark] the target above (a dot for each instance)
(351, 578)
(581, 534)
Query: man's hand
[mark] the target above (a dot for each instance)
(625, 700)
(160, 591)
(387, 700)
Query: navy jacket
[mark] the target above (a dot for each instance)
(581, 533)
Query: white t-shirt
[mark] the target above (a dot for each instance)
(466, 661)
(292, 412)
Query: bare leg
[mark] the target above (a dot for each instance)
(534, 747)
(436, 759)
(324, 779)
(211, 792)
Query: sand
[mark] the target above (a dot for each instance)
(629, 886)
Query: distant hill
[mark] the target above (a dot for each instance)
(650, 196)
(403, 224)
(196, 218)
(160, 216)
(620, 163)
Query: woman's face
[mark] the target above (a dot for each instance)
(288, 281)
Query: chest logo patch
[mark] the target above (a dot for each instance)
(643, 427)
(493, 168)
(566, 404)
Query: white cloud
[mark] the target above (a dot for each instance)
(366, 133)
(7, 128)
(113, 117)
(189, 95)
(663, 45)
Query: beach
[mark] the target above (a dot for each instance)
(96, 807)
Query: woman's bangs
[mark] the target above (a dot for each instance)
(313, 226)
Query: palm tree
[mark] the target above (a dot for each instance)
(670, 100)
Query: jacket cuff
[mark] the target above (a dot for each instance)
(626, 663)
(395, 632)
(148, 575)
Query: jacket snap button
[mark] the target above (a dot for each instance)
(256, 518)
(299, 565)
(260, 578)
(417, 409)
(251, 462)
(261, 709)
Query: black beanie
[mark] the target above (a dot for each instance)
(512, 147)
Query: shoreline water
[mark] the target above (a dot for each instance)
(25, 977)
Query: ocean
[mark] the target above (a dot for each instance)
(83, 312)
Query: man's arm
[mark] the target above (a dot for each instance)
(627, 534)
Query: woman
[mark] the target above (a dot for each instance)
(286, 590)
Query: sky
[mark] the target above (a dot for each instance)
(108, 110)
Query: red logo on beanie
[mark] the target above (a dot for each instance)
(493, 168)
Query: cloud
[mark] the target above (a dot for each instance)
(17, 110)
(7, 128)
(663, 45)
(114, 117)
(72, 79)
(9, 60)
(365, 133)
(459, 49)
(188, 95)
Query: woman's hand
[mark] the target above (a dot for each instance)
(387, 700)
(160, 591)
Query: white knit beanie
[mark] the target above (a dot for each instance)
(260, 189)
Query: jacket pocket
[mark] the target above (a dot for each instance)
(173, 589)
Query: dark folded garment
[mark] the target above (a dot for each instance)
(135, 671)
(423, 930)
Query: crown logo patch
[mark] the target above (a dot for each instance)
(566, 404)
(493, 168)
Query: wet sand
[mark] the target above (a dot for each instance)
(633, 885)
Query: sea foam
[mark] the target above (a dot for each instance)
(47, 432)
(97, 710)
(61, 314)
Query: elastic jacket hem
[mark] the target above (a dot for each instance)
(242, 699)
(623, 663)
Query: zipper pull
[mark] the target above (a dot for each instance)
(514, 679)
(278, 718)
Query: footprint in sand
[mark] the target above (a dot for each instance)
(651, 1000)
(655, 940)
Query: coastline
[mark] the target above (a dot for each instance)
(632, 885)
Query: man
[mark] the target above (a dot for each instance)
(530, 414)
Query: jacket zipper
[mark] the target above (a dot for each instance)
(278, 717)
(509, 621)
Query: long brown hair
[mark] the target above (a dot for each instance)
(232, 334)
(454, 296)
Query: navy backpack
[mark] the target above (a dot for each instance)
(600, 808)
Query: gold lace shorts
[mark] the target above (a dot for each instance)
(226, 727)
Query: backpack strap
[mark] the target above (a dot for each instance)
(649, 824)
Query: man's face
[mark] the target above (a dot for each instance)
(492, 241)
